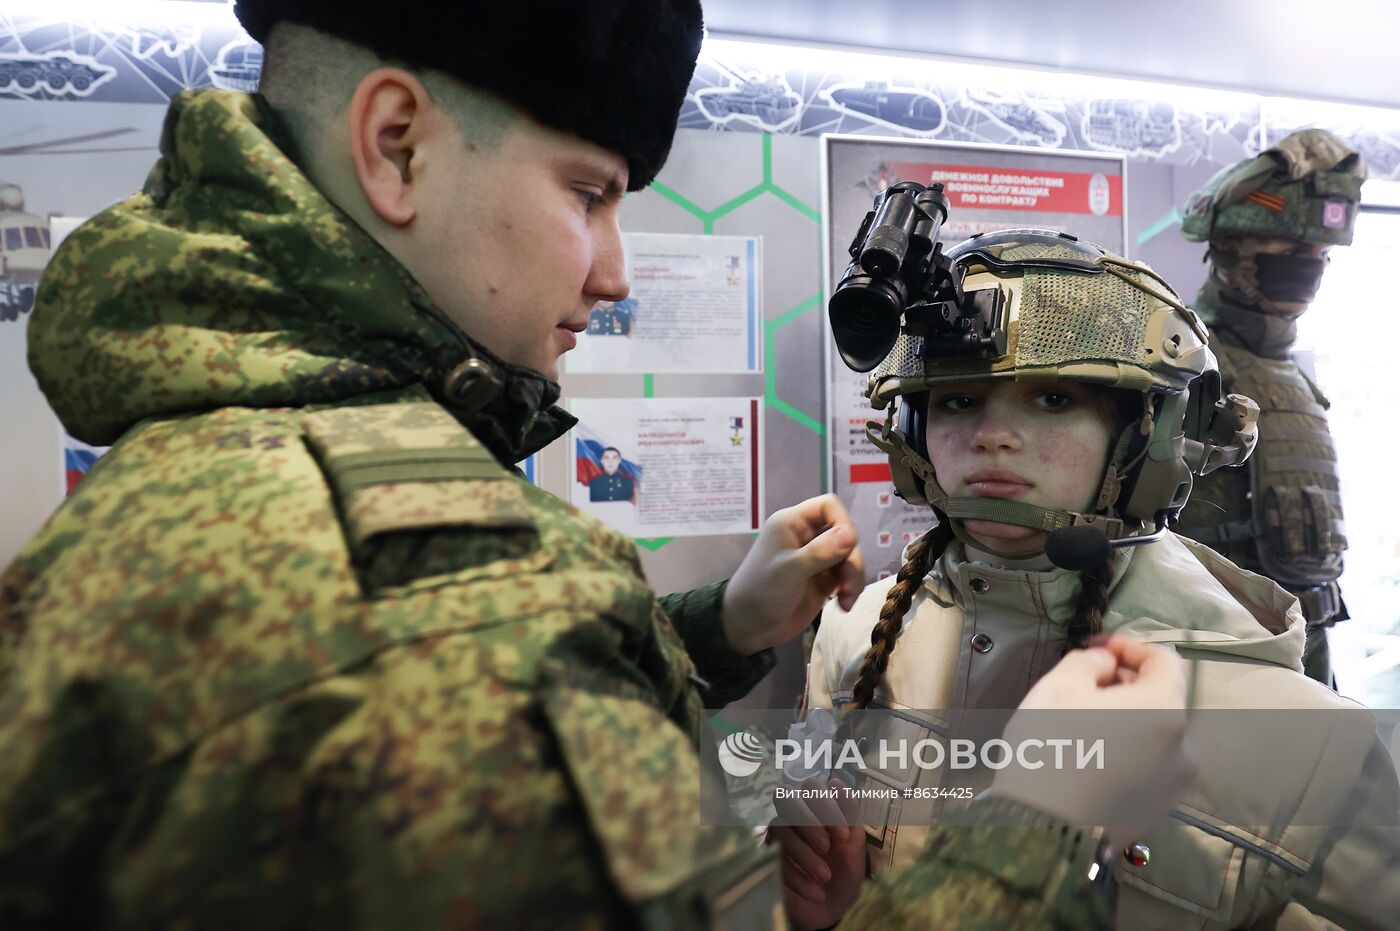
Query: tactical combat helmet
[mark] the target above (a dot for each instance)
(1306, 189)
(1071, 310)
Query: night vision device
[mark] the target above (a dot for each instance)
(899, 275)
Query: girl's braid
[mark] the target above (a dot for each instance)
(886, 631)
(1093, 602)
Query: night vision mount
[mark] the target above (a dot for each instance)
(899, 276)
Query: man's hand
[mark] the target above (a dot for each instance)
(823, 842)
(1149, 763)
(803, 555)
(1115, 673)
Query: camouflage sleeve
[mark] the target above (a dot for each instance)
(439, 785)
(727, 675)
(986, 877)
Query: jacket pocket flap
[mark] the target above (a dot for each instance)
(1187, 868)
(637, 777)
(411, 467)
(888, 775)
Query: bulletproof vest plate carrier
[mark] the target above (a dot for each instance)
(1295, 514)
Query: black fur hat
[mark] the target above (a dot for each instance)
(611, 71)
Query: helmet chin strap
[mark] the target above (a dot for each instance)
(1281, 285)
(959, 509)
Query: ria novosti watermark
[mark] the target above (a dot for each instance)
(930, 763)
(742, 754)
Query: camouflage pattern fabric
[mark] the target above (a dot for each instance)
(1307, 188)
(298, 652)
(231, 280)
(1280, 515)
(989, 879)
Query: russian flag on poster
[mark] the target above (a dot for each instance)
(588, 456)
(78, 457)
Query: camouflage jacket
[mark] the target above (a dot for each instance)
(300, 651)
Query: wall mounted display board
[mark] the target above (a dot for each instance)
(669, 466)
(695, 306)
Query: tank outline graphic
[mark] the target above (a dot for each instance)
(20, 267)
(763, 100)
(898, 107)
(57, 73)
(1220, 121)
(241, 74)
(173, 39)
(1017, 115)
(1134, 126)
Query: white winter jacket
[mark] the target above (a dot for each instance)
(1243, 638)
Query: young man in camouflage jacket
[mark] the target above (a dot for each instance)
(303, 650)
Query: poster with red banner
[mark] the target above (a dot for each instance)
(989, 188)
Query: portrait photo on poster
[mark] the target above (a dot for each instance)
(695, 306)
(654, 467)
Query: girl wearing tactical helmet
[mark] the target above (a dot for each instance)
(1054, 453)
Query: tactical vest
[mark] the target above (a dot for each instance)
(1283, 518)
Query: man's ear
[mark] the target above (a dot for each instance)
(388, 122)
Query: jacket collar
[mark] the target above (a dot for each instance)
(241, 284)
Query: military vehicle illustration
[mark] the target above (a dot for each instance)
(905, 107)
(171, 40)
(56, 74)
(24, 251)
(1220, 121)
(762, 100)
(1140, 127)
(237, 66)
(1023, 119)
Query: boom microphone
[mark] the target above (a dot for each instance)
(1077, 548)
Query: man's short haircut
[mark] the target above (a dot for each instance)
(309, 77)
(611, 449)
(614, 72)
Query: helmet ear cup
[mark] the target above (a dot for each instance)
(913, 422)
(909, 424)
(1161, 482)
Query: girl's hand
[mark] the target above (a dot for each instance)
(823, 844)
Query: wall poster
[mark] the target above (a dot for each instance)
(669, 467)
(695, 306)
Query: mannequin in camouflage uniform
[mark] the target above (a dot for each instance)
(1270, 222)
(303, 650)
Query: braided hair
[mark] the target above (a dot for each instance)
(922, 556)
(1087, 621)
(1120, 410)
(1092, 603)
